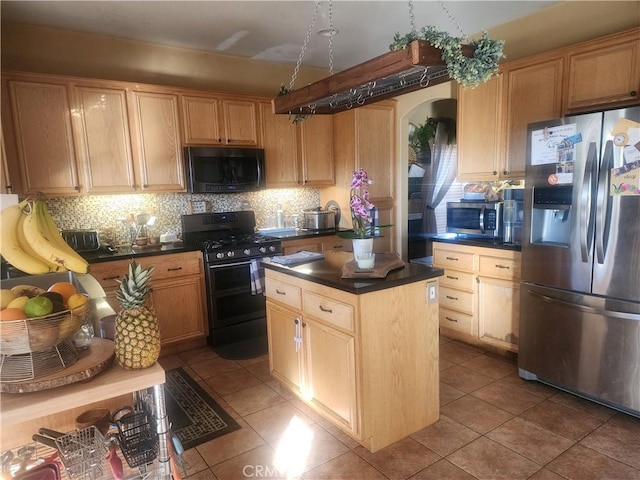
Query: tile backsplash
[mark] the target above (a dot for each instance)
(107, 213)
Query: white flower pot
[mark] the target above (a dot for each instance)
(363, 253)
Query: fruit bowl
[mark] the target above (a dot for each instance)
(36, 334)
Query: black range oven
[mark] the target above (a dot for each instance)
(234, 279)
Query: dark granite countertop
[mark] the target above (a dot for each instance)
(124, 253)
(474, 241)
(328, 271)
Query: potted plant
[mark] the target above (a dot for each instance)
(364, 229)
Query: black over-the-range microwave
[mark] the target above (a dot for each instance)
(224, 169)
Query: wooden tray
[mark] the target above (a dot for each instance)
(385, 262)
(91, 362)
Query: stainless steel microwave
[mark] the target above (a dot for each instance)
(482, 219)
(224, 169)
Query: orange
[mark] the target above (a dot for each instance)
(78, 303)
(66, 289)
(12, 314)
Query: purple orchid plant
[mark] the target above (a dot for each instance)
(360, 207)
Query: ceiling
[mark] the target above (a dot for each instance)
(269, 30)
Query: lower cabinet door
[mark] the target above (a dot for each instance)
(499, 312)
(285, 359)
(331, 372)
(179, 305)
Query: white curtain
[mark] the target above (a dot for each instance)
(437, 178)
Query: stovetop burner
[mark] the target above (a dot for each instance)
(228, 235)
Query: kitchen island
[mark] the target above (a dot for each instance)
(361, 352)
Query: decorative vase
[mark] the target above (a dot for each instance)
(363, 253)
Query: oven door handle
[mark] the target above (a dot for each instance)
(236, 264)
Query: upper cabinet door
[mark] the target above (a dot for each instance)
(316, 139)
(479, 131)
(41, 116)
(608, 74)
(156, 124)
(104, 141)
(375, 148)
(240, 122)
(533, 92)
(201, 120)
(280, 143)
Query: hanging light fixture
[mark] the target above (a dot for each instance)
(416, 66)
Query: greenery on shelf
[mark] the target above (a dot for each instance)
(467, 71)
(295, 118)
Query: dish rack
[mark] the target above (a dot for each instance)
(84, 455)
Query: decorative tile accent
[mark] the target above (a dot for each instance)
(108, 213)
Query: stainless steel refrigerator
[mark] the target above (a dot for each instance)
(580, 291)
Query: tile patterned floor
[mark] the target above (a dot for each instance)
(493, 425)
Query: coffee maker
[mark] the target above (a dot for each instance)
(512, 215)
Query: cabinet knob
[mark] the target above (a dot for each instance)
(296, 321)
(495, 172)
(145, 185)
(634, 93)
(504, 172)
(77, 188)
(304, 325)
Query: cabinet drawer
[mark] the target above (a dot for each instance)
(165, 266)
(456, 320)
(456, 299)
(284, 293)
(507, 268)
(331, 311)
(452, 259)
(457, 279)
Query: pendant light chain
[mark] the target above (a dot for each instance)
(304, 47)
(412, 18)
(331, 34)
(453, 19)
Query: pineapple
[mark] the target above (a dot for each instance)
(137, 335)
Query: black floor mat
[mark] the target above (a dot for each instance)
(195, 417)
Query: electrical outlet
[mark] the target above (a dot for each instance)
(432, 292)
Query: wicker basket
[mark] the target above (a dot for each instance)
(37, 334)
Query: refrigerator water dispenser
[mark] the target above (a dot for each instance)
(551, 216)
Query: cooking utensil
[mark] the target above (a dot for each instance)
(318, 219)
(332, 205)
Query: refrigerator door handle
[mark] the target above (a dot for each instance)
(586, 217)
(585, 308)
(482, 212)
(604, 203)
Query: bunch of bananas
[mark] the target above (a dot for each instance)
(31, 241)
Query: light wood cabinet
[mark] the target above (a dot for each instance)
(603, 73)
(297, 154)
(157, 139)
(39, 112)
(493, 118)
(5, 178)
(479, 294)
(316, 151)
(214, 119)
(479, 133)
(365, 138)
(104, 141)
(316, 244)
(280, 142)
(177, 292)
(532, 93)
(354, 358)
